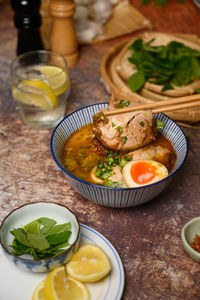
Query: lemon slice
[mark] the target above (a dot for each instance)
(89, 264)
(56, 77)
(37, 93)
(39, 292)
(58, 286)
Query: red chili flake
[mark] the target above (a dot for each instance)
(196, 243)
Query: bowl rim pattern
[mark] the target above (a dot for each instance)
(112, 188)
(44, 259)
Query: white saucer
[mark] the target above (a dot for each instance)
(19, 285)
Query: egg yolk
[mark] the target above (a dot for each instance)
(142, 172)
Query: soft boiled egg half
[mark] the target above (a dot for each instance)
(143, 172)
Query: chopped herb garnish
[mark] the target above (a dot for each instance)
(41, 238)
(122, 103)
(111, 183)
(159, 124)
(124, 139)
(113, 124)
(119, 128)
(142, 123)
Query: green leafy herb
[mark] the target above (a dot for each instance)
(197, 91)
(142, 124)
(173, 64)
(136, 81)
(41, 238)
(159, 124)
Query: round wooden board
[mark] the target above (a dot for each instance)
(115, 84)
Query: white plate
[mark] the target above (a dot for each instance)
(18, 285)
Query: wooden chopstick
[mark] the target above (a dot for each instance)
(169, 105)
(177, 107)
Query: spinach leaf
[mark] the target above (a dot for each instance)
(173, 64)
(136, 81)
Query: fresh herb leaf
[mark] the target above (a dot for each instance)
(136, 81)
(61, 237)
(167, 87)
(197, 90)
(21, 236)
(41, 238)
(37, 241)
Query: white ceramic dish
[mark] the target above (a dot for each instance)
(32, 211)
(24, 283)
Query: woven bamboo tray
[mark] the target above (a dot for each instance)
(115, 83)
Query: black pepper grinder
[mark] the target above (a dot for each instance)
(27, 20)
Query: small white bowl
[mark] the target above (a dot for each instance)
(188, 233)
(30, 212)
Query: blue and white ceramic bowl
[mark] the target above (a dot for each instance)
(30, 212)
(115, 197)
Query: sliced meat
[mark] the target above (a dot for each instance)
(125, 131)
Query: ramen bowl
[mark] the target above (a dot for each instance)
(108, 196)
(29, 212)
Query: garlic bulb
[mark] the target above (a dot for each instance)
(113, 2)
(100, 11)
(88, 30)
(83, 2)
(81, 13)
(90, 16)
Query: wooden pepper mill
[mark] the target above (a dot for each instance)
(27, 20)
(63, 34)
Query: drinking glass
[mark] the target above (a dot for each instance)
(41, 86)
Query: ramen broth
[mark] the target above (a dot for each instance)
(82, 153)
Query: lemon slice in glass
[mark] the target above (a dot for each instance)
(58, 286)
(37, 93)
(89, 264)
(39, 292)
(56, 77)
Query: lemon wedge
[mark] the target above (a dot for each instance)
(58, 286)
(89, 264)
(56, 77)
(37, 93)
(39, 292)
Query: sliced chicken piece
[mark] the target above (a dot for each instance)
(125, 131)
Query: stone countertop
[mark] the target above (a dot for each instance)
(147, 237)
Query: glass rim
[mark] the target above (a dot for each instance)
(28, 53)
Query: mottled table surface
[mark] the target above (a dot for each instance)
(147, 237)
